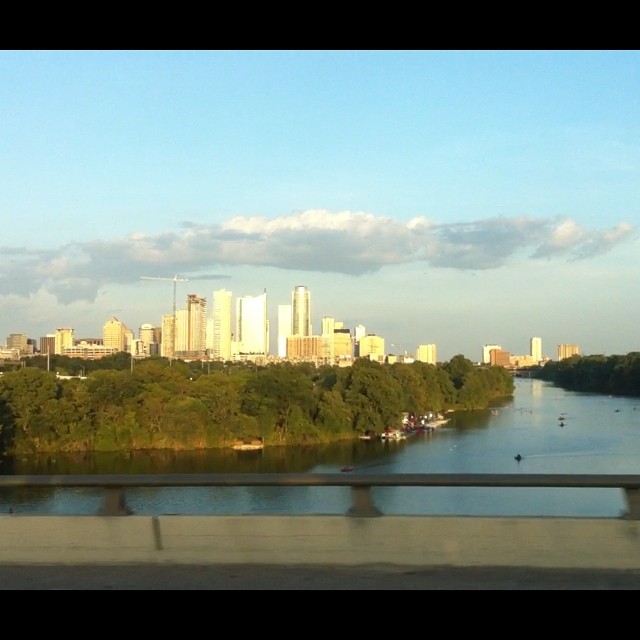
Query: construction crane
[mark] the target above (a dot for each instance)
(175, 281)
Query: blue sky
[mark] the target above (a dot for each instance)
(459, 198)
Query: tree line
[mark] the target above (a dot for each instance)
(114, 404)
(611, 375)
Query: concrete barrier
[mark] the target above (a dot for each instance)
(415, 541)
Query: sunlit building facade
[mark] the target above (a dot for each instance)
(301, 311)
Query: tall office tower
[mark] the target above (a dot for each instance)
(536, 349)
(147, 335)
(342, 343)
(220, 326)
(359, 332)
(252, 327)
(19, 341)
(328, 325)
(284, 328)
(371, 346)
(64, 339)
(568, 350)
(114, 334)
(181, 333)
(48, 344)
(328, 342)
(168, 341)
(486, 351)
(301, 311)
(427, 353)
(196, 326)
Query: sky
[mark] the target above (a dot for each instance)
(454, 197)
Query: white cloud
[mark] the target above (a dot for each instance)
(352, 243)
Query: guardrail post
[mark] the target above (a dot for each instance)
(633, 504)
(362, 503)
(114, 503)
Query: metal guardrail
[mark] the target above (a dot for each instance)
(362, 504)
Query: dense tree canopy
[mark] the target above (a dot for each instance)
(154, 403)
(615, 375)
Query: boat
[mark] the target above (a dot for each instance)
(393, 434)
(248, 444)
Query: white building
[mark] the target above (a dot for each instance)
(536, 349)
(284, 328)
(252, 326)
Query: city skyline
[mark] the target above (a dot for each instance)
(250, 331)
(454, 198)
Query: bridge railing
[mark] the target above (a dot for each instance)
(362, 503)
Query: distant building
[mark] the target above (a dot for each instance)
(486, 350)
(284, 328)
(499, 358)
(20, 341)
(536, 350)
(114, 334)
(427, 353)
(63, 340)
(301, 311)
(305, 348)
(147, 336)
(342, 343)
(168, 343)
(48, 344)
(371, 346)
(220, 326)
(568, 350)
(252, 326)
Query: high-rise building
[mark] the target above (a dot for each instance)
(196, 327)
(328, 341)
(221, 326)
(168, 343)
(499, 358)
(486, 351)
(371, 346)
(359, 332)
(305, 348)
(284, 328)
(427, 353)
(114, 334)
(252, 326)
(536, 349)
(48, 344)
(568, 350)
(181, 333)
(342, 343)
(147, 336)
(301, 311)
(63, 339)
(19, 341)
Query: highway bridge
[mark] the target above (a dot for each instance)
(361, 537)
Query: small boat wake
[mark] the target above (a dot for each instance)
(564, 454)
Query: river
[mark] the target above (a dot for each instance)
(553, 430)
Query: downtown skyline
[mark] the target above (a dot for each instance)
(227, 318)
(451, 197)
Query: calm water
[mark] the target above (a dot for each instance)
(555, 431)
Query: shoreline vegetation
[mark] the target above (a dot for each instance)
(156, 404)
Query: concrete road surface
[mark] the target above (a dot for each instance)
(270, 577)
